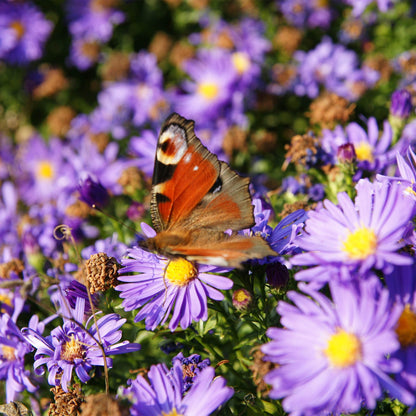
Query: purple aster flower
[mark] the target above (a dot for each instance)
(13, 349)
(359, 6)
(306, 13)
(191, 368)
(164, 285)
(84, 53)
(164, 394)
(92, 19)
(110, 245)
(401, 104)
(76, 290)
(335, 68)
(209, 91)
(23, 32)
(407, 170)
(371, 147)
(316, 192)
(45, 175)
(401, 284)
(332, 356)
(143, 147)
(360, 236)
(74, 346)
(93, 193)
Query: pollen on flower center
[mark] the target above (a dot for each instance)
(208, 90)
(343, 350)
(406, 327)
(45, 170)
(173, 412)
(241, 62)
(180, 272)
(18, 28)
(71, 350)
(360, 244)
(364, 151)
(5, 299)
(8, 353)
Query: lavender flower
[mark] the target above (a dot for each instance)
(191, 368)
(164, 285)
(93, 193)
(357, 236)
(401, 104)
(331, 356)
(164, 394)
(407, 170)
(13, 349)
(401, 285)
(209, 92)
(335, 68)
(75, 346)
(23, 32)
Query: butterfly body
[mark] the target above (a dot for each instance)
(195, 199)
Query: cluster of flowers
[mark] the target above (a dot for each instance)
(333, 313)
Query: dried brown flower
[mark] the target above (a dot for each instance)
(380, 64)
(259, 369)
(101, 272)
(287, 39)
(181, 52)
(300, 148)
(102, 405)
(101, 140)
(160, 45)
(54, 81)
(329, 109)
(59, 120)
(235, 140)
(265, 141)
(79, 209)
(14, 266)
(66, 403)
(116, 67)
(131, 180)
(289, 208)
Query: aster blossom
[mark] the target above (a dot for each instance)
(74, 346)
(13, 348)
(356, 236)
(331, 355)
(164, 285)
(164, 395)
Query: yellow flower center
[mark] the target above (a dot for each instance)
(406, 327)
(360, 244)
(241, 296)
(18, 28)
(241, 62)
(364, 151)
(45, 170)
(208, 90)
(173, 412)
(180, 272)
(71, 350)
(8, 353)
(343, 350)
(5, 299)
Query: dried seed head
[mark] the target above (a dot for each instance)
(66, 403)
(101, 272)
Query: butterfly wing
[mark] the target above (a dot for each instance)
(192, 189)
(230, 251)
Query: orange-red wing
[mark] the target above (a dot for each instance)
(230, 252)
(184, 172)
